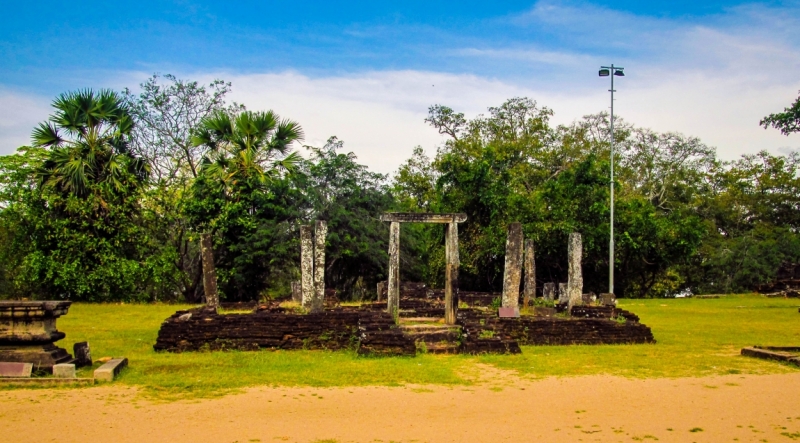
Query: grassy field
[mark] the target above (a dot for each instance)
(696, 337)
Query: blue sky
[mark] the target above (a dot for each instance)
(366, 71)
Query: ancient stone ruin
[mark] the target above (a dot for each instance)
(451, 258)
(28, 333)
(415, 318)
(786, 283)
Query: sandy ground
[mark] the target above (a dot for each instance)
(719, 409)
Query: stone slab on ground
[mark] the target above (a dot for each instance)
(110, 370)
(13, 369)
(508, 312)
(64, 370)
(781, 354)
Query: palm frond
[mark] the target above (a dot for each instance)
(46, 135)
(287, 132)
(288, 163)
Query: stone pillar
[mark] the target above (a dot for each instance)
(381, 287)
(608, 299)
(563, 295)
(209, 271)
(393, 283)
(306, 266)
(513, 269)
(451, 274)
(297, 292)
(320, 233)
(549, 291)
(83, 355)
(529, 291)
(575, 281)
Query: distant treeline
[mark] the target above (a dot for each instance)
(109, 200)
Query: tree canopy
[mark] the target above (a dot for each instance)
(109, 200)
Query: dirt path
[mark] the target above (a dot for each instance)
(747, 408)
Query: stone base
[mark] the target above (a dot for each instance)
(43, 357)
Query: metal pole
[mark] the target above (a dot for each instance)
(611, 235)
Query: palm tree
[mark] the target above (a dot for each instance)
(250, 147)
(88, 137)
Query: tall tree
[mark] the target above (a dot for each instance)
(166, 110)
(512, 165)
(81, 225)
(88, 137)
(350, 198)
(242, 195)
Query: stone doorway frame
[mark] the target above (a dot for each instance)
(451, 258)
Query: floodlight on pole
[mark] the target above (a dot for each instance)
(605, 71)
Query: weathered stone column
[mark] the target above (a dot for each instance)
(381, 287)
(209, 271)
(306, 266)
(393, 292)
(549, 291)
(608, 299)
(513, 269)
(451, 274)
(575, 281)
(529, 291)
(297, 292)
(320, 234)
(563, 295)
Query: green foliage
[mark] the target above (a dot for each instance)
(787, 121)
(486, 333)
(241, 196)
(165, 113)
(541, 302)
(512, 166)
(349, 197)
(109, 202)
(752, 211)
(73, 212)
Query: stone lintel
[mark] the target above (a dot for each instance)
(423, 217)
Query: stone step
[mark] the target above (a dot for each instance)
(442, 348)
(436, 336)
(428, 327)
(421, 320)
(432, 333)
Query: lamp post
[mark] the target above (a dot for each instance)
(611, 71)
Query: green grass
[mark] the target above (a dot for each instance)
(695, 338)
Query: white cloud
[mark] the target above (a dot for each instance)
(379, 115)
(19, 113)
